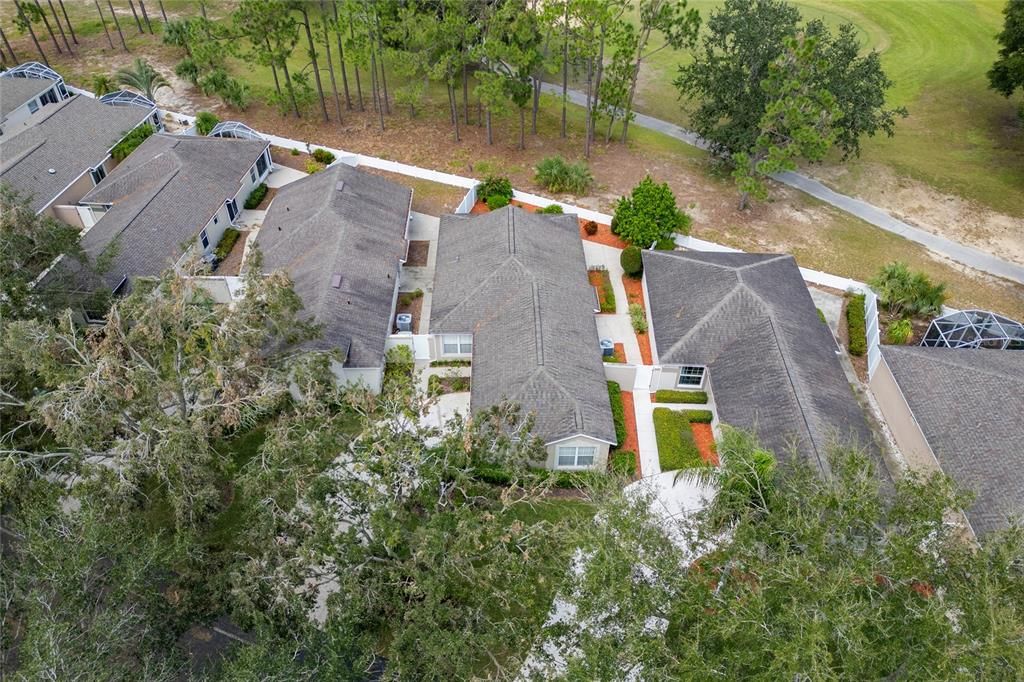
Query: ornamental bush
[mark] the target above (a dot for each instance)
(907, 293)
(131, 141)
(677, 448)
(899, 332)
(495, 188)
(618, 412)
(552, 209)
(638, 318)
(673, 396)
(856, 326)
(313, 167)
(623, 463)
(632, 261)
(590, 228)
(256, 196)
(226, 243)
(649, 215)
(205, 122)
(496, 201)
(323, 156)
(556, 175)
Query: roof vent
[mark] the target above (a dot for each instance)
(51, 171)
(339, 186)
(336, 281)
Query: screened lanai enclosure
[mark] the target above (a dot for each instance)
(235, 129)
(975, 329)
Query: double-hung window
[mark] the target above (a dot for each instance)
(457, 344)
(205, 239)
(33, 106)
(98, 173)
(252, 174)
(691, 376)
(572, 456)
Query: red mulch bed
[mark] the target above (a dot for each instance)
(632, 442)
(418, 252)
(704, 437)
(635, 294)
(620, 352)
(604, 235)
(414, 307)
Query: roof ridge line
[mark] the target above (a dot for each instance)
(707, 316)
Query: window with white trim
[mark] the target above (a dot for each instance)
(574, 456)
(98, 173)
(252, 173)
(457, 344)
(33, 106)
(691, 375)
(204, 239)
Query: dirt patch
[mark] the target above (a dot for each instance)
(418, 252)
(923, 206)
(232, 263)
(413, 306)
(704, 437)
(288, 157)
(632, 442)
(431, 198)
(478, 208)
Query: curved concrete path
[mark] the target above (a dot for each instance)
(967, 255)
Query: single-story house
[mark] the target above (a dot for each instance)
(511, 293)
(743, 327)
(961, 411)
(61, 149)
(342, 236)
(171, 191)
(26, 88)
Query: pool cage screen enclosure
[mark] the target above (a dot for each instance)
(975, 329)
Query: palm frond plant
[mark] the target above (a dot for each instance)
(102, 83)
(143, 78)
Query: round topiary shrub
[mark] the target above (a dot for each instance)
(552, 209)
(632, 261)
(590, 228)
(496, 201)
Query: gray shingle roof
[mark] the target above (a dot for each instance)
(70, 137)
(970, 406)
(16, 91)
(341, 221)
(518, 282)
(163, 194)
(750, 319)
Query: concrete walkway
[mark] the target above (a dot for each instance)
(643, 409)
(869, 213)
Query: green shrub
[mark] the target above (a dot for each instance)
(821, 316)
(226, 243)
(205, 122)
(590, 227)
(496, 475)
(438, 384)
(552, 209)
(856, 325)
(131, 141)
(618, 412)
(495, 187)
(632, 261)
(676, 446)
(313, 166)
(638, 318)
(899, 332)
(623, 463)
(666, 244)
(496, 201)
(407, 297)
(675, 396)
(697, 416)
(451, 363)
(904, 292)
(256, 196)
(606, 292)
(323, 156)
(649, 215)
(556, 175)
(295, 152)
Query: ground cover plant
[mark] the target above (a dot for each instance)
(557, 175)
(668, 395)
(677, 448)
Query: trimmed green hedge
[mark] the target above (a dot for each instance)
(323, 156)
(623, 463)
(632, 261)
(256, 196)
(496, 475)
(676, 446)
(697, 416)
(226, 243)
(451, 363)
(856, 325)
(674, 396)
(618, 412)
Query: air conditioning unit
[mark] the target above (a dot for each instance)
(403, 321)
(607, 348)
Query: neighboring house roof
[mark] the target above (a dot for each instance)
(162, 195)
(14, 92)
(970, 407)
(346, 227)
(750, 319)
(69, 137)
(518, 282)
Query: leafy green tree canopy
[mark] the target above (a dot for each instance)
(1007, 74)
(649, 214)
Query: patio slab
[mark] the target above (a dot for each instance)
(619, 329)
(282, 175)
(446, 407)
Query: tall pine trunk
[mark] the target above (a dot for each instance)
(163, 13)
(8, 45)
(67, 21)
(273, 67)
(330, 62)
(35, 40)
(376, 89)
(383, 77)
(145, 16)
(312, 57)
(597, 88)
(136, 15)
(490, 135)
(291, 88)
(341, 56)
(465, 88)
(565, 66)
(632, 85)
(60, 27)
(46, 23)
(117, 25)
(355, 66)
(590, 108)
(104, 22)
(522, 128)
(454, 109)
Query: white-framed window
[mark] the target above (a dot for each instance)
(691, 376)
(576, 456)
(98, 173)
(252, 173)
(33, 106)
(457, 344)
(205, 239)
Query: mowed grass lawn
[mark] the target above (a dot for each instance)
(960, 137)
